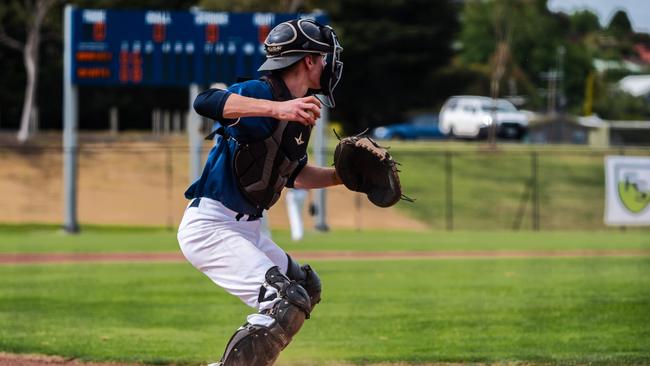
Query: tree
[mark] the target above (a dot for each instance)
(253, 5)
(536, 35)
(620, 24)
(32, 13)
(522, 26)
(584, 22)
(391, 50)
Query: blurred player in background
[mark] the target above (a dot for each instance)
(263, 128)
(295, 199)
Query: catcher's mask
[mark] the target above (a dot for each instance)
(290, 41)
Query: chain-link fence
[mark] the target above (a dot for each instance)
(520, 188)
(457, 188)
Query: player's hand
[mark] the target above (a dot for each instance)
(302, 110)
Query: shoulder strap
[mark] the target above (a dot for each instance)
(219, 131)
(279, 89)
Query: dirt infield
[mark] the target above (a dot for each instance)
(161, 257)
(7, 359)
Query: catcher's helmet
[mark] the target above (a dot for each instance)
(290, 41)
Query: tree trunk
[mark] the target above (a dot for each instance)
(30, 56)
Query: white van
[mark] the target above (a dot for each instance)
(471, 116)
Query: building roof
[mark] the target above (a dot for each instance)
(603, 65)
(643, 52)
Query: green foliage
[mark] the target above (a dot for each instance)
(526, 25)
(477, 34)
(617, 105)
(391, 49)
(577, 66)
(521, 24)
(246, 5)
(398, 56)
(584, 22)
(141, 4)
(620, 24)
(535, 35)
(456, 79)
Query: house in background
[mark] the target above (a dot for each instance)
(591, 130)
(643, 53)
(636, 85)
(557, 129)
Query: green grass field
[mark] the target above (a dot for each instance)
(534, 310)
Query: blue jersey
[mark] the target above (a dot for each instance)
(218, 180)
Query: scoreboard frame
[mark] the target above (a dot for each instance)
(169, 48)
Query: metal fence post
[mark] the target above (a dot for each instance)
(170, 188)
(449, 192)
(535, 179)
(622, 153)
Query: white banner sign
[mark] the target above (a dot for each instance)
(627, 190)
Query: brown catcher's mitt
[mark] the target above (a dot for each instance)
(366, 167)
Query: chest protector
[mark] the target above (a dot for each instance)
(263, 167)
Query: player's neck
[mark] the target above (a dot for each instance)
(297, 83)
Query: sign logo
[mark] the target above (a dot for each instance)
(633, 191)
(627, 190)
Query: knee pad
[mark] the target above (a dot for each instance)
(259, 345)
(307, 278)
(291, 293)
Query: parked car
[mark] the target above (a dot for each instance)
(472, 116)
(422, 126)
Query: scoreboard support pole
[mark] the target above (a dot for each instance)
(194, 136)
(70, 121)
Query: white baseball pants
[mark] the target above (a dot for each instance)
(234, 254)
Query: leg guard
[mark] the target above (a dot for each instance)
(307, 278)
(258, 345)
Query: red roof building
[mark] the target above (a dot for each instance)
(644, 52)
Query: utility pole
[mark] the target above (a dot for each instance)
(556, 99)
(500, 59)
(560, 67)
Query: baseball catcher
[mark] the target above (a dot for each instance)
(261, 132)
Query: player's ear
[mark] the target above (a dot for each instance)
(310, 61)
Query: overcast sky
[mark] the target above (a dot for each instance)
(637, 10)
